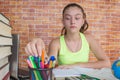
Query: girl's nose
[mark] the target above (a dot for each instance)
(72, 21)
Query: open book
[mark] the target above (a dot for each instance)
(104, 73)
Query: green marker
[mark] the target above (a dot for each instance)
(37, 75)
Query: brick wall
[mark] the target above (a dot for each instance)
(42, 18)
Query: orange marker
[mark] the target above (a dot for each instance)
(50, 64)
(43, 57)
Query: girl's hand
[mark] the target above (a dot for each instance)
(35, 47)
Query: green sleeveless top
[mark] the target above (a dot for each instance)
(68, 57)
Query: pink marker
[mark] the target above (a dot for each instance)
(41, 64)
(29, 64)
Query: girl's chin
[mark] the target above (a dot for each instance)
(74, 31)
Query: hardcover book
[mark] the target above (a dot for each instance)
(4, 18)
(5, 47)
(4, 70)
(5, 29)
(5, 52)
(3, 61)
(5, 41)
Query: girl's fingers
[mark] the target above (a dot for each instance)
(40, 47)
(28, 49)
(33, 49)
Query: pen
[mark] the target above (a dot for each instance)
(32, 74)
(42, 72)
(39, 59)
(50, 64)
(46, 66)
(33, 66)
(36, 59)
(37, 75)
(43, 58)
(29, 64)
(51, 58)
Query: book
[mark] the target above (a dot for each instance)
(4, 70)
(78, 72)
(5, 29)
(5, 41)
(4, 18)
(65, 72)
(7, 76)
(5, 47)
(61, 78)
(3, 61)
(5, 51)
(82, 77)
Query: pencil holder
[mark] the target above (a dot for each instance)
(40, 74)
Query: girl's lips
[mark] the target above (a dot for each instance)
(72, 26)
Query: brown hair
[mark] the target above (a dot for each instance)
(84, 26)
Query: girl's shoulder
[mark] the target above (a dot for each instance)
(88, 35)
(90, 38)
(56, 41)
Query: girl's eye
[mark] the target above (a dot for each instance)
(67, 18)
(77, 18)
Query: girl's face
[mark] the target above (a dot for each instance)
(73, 19)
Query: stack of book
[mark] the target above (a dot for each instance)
(5, 47)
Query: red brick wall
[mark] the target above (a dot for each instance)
(42, 18)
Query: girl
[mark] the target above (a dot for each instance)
(73, 46)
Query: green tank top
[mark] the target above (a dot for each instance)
(68, 57)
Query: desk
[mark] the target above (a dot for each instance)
(102, 74)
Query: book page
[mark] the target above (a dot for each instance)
(65, 72)
(104, 73)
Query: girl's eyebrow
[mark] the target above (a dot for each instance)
(79, 14)
(67, 15)
(75, 15)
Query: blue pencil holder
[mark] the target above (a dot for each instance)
(40, 74)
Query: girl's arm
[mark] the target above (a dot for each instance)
(53, 49)
(102, 58)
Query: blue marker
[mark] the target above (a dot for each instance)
(37, 61)
(52, 58)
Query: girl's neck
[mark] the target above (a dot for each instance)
(72, 37)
